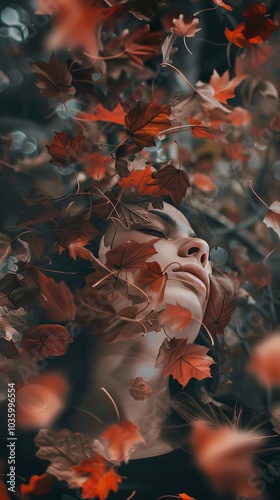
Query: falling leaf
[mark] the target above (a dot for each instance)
(46, 340)
(138, 389)
(56, 299)
(144, 123)
(64, 449)
(65, 150)
(38, 485)
(8, 353)
(153, 280)
(257, 22)
(264, 362)
(53, 78)
(259, 274)
(140, 44)
(184, 496)
(175, 316)
(238, 38)
(167, 49)
(102, 478)
(272, 217)
(185, 25)
(174, 181)
(78, 23)
(224, 87)
(144, 180)
(184, 361)
(201, 130)
(226, 455)
(220, 3)
(122, 439)
(203, 182)
(104, 114)
(130, 255)
(221, 304)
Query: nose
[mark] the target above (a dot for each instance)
(196, 248)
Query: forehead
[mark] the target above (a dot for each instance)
(172, 216)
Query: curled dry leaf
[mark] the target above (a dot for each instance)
(185, 25)
(64, 449)
(226, 455)
(46, 340)
(101, 478)
(264, 362)
(38, 485)
(272, 217)
(184, 361)
(53, 78)
(122, 439)
(138, 389)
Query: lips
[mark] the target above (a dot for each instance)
(191, 273)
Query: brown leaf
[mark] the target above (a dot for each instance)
(144, 123)
(57, 299)
(64, 449)
(173, 181)
(8, 352)
(220, 306)
(53, 78)
(130, 255)
(175, 316)
(184, 361)
(46, 340)
(65, 150)
(140, 44)
(272, 217)
(153, 280)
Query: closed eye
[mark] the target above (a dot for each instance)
(154, 231)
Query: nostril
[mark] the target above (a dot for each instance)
(203, 258)
(193, 250)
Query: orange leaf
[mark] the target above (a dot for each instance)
(65, 150)
(223, 86)
(57, 299)
(201, 130)
(144, 123)
(46, 340)
(102, 478)
(204, 183)
(122, 437)
(272, 217)
(138, 389)
(38, 485)
(184, 361)
(184, 496)
(76, 249)
(144, 181)
(226, 454)
(174, 181)
(175, 316)
(222, 4)
(130, 255)
(238, 38)
(104, 114)
(264, 362)
(152, 278)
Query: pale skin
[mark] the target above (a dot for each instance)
(114, 364)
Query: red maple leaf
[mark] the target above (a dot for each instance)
(53, 78)
(130, 255)
(145, 123)
(184, 361)
(102, 478)
(122, 438)
(66, 150)
(144, 181)
(174, 181)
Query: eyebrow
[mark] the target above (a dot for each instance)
(170, 220)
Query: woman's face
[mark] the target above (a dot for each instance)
(183, 254)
